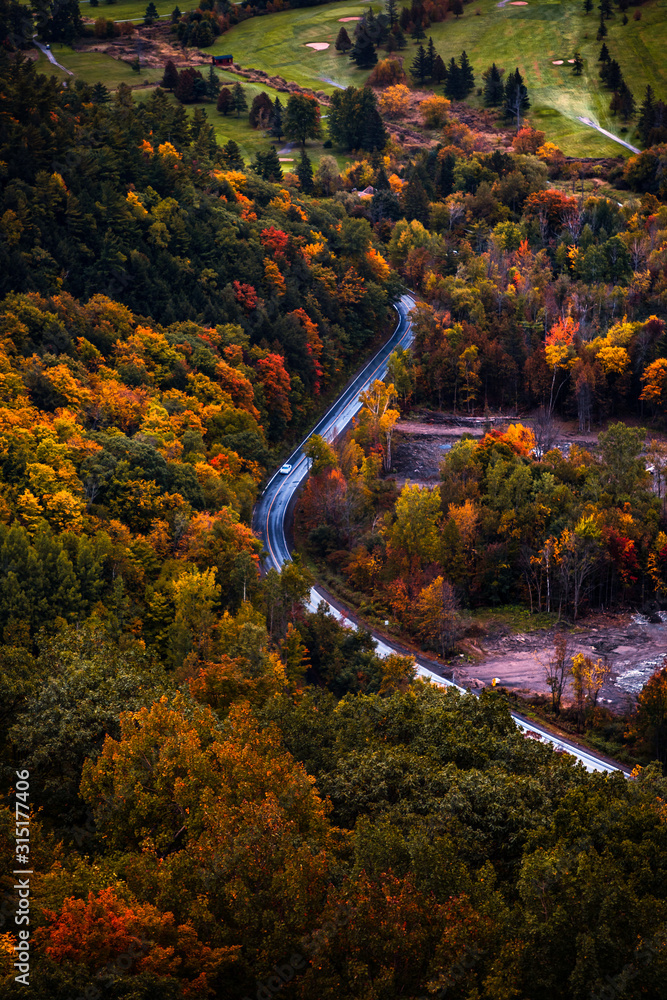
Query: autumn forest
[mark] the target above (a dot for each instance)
(232, 795)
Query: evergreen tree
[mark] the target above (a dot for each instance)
(419, 65)
(604, 54)
(272, 168)
(304, 172)
(415, 202)
(467, 75)
(212, 84)
(494, 90)
(239, 100)
(176, 15)
(646, 114)
(391, 10)
(197, 123)
(445, 175)
(374, 135)
(170, 76)
(578, 64)
(457, 8)
(231, 154)
(430, 58)
(343, 43)
(418, 33)
(439, 69)
(100, 94)
(453, 81)
(606, 10)
(224, 104)
(627, 105)
(588, 6)
(516, 97)
(151, 15)
(602, 28)
(363, 52)
(401, 41)
(277, 129)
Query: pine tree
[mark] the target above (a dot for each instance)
(605, 8)
(400, 38)
(170, 76)
(457, 8)
(602, 28)
(588, 6)
(373, 134)
(627, 102)
(578, 64)
(100, 94)
(239, 100)
(646, 114)
(516, 97)
(224, 104)
(212, 84)
(272, 169)
(391, 10)
(415, 202)
(467, 75)
(418, 68)
(494, 90)
(176, 15)
(418, 33)
(277, 129)
(430, 58)
(453, 81)
(604, 54)
(363, 53)
(439, 69)
(343, 43)
(304, 172)
(151, 15)
(231, 154)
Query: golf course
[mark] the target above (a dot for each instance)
(533, 36)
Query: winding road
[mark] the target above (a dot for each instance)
(610, 135)
(273, 513)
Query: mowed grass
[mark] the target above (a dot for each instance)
(128, 10)
(529, 37)
(277, 43)
(96, 66)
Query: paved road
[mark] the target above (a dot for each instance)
(273, 512)
(610, 135)
(50, 56)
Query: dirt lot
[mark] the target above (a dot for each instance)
(633, 645)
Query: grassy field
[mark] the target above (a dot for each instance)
(529, 37)
(95, 66)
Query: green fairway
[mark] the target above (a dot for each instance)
(96, 66)
(530, 37)
(130, 10)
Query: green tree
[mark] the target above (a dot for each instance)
(457, 8)
(212, 84)
(622, 469)
(419, 65)
(151, 15)
(494, 89)
(170, 76)
(343, 43)
(516, 97)
(391, 10)
(588, 6)
(578, 67)
(467, 75)
(302, 118)
(277, 127)
(304, 172)
(239, 101)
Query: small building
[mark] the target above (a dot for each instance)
(222, 60)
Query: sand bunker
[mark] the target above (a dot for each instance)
(286, 159)
(570, 60)
(349, 19)
(318, 46)
(557, 62)
(518, 3)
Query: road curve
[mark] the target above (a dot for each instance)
(272, 513)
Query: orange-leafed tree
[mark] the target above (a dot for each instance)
(277, 386)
